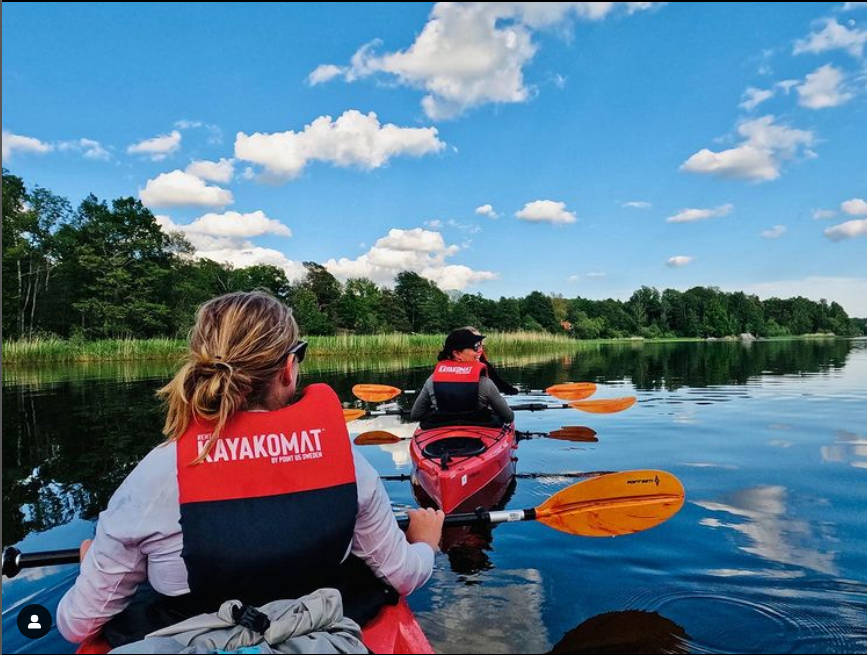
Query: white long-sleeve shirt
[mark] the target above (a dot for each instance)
(138, 538)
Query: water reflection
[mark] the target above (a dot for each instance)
(654, 366)
(503, 616)
(848, 448)
(628, 631)
(765, 519)
(791, 547)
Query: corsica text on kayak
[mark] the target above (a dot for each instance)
(298, 446)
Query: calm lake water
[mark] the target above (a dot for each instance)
(767, 555)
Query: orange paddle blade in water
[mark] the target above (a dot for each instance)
(352, 414)
(572, 390)
(375, 393)
(606, 406)
(375, 438)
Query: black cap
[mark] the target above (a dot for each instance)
(458, 340)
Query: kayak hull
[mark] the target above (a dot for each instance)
(463, 467)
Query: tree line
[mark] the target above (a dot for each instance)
(108, 270)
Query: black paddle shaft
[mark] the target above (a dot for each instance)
(14, 560)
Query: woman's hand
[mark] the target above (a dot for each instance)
(425, 526)
(85, 546)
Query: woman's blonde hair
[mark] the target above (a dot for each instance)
(237, 346)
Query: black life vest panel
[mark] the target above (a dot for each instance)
(456, 386)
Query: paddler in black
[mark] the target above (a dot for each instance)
(460, 392)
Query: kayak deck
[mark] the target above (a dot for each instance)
(455, 464)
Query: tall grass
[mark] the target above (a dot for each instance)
(37, 350)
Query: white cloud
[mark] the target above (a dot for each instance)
(692, 215)
(820, 214)
(435, 224)
(13, 143)
(486, 210)
(237, 225)
(833, 37)
(637, 204)
(753, 97)
(89, 148)
(470, 54)
(764, 133)
(848, 230)
(775, 232)
(213, 171)
(822, 88)
(324, 73)
(765, 145)
(548, 211)
(679, 261)
(855, 207)
(224, 239)
(157, 148)
(786, 85)
(457, 276)
(596, 275)
(849, 292)
(852, 6)
(354, 139)
(744, 162)
(93, 149)
(422, 251)
(178, 188)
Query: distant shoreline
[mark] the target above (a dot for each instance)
(51, 350)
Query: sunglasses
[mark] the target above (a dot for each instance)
(478, 347)
(299, 350)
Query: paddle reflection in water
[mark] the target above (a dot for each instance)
(466, 545)
(628, 631)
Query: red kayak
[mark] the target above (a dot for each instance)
(394, 630)
(455, 464)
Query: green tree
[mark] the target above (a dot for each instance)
(311, 320)
(539, 308)
(118, 262)
(324, 287)
(426, 305)
(357, 307)
(506, 316)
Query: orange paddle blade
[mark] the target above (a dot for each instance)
(375, 393)
(376, 438)
(574, 433)
(614, 504)
(352, 414)
(606, 406)
(572, 390)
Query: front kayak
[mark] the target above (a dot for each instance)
(454, 465)
(394, 630)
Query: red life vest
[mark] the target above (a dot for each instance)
(456, 385)
(270, 512)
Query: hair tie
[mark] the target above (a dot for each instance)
(225, 366)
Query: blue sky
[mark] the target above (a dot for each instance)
(575, 148)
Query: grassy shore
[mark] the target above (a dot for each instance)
(503, 344)
(34, 351)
